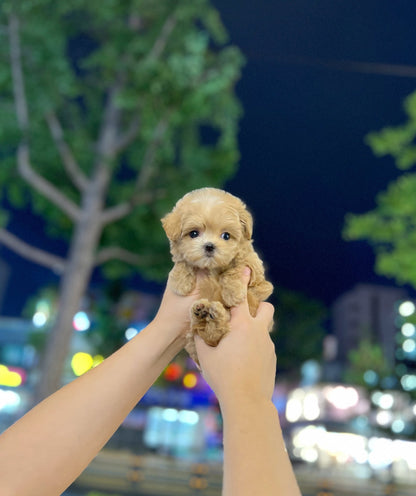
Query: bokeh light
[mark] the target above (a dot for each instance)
(190, 380)
(407, 308)
(81, 322)
(81, 362)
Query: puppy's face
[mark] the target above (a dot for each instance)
(207, 228)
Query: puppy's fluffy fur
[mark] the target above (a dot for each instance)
(210, 230)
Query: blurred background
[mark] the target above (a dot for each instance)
(109, 113)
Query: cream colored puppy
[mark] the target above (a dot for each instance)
(210, 230)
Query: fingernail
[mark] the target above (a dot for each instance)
(247, 271)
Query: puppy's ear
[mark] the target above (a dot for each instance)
(246, 221)
(172, 225)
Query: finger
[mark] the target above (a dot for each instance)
(265, 314)
(242, 308)
(246, 275)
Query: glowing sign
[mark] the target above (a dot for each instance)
(11, 376)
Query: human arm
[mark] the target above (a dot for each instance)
(241, 371)
(50, 446)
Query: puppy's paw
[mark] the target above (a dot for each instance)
(216, 311)
(200, 310)
(209, 319)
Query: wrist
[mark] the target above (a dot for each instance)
(169, 342)
(237, 404)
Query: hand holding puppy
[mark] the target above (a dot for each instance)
(210, 230)
(243, 365)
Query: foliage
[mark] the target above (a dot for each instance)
(109, 112)
(391, 227)
(368, 356)
(299, 329)
(173, 77)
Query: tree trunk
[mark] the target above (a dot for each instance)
(74, 282)
(72, 288)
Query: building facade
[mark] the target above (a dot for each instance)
(367, 311)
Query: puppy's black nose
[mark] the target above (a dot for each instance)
(209, 247)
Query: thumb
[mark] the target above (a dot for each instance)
(245, 279)
(265, 314)
(246, 275)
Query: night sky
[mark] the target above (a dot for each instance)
(307, 110)
(308, 103)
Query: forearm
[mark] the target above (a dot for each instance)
(50, 446)
(255, 458)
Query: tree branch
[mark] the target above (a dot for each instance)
(41, 257)
(140, 194)
(118, 212)
(147, 169)
(23, 160)
(128, 137)
(162, 40)
(106, 145)
(43, 186)
(22, 113)
(117, 253)
(72, 168)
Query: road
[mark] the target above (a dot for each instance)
(123, 473)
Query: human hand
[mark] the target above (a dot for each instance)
(173, 314)
(243, 365)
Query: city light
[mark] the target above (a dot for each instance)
(408, 330)
(130, 333)
(190, 380)
(11, 376)
(173, 372)
(380, 453)
(370, 377)
(42, 314)
(334, 401)
(311, 410)
(408, 382)
(294, 409)
(386, 401)
(409, 345)
(188, 417)
(384, 418)
(407, 308)
(170, 415)
(9, 400)
(342, 397)
(39, 319)
(398, 426)
(81, 363)
(313, 442)
(81, 322)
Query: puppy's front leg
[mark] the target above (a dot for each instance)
(233, 290)
(183, 278)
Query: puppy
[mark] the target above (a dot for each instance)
(210, 230)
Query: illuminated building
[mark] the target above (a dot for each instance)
(367, 311)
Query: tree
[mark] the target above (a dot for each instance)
(299, 330)
(391, 227)
(110, 112)
(367, 365)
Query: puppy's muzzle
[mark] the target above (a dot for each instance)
(209, 249)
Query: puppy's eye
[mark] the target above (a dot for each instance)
(194, 234)
(226, 236)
